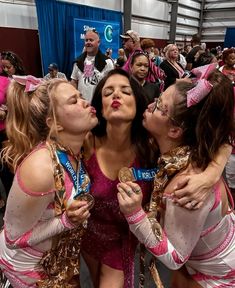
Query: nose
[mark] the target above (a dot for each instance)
(116, 94)
(85, 103)
(151, 106)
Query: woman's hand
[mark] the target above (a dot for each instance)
(78, 212)
(129, 197)
(192, 191)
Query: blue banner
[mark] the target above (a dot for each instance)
(229, 40)
(109, 35)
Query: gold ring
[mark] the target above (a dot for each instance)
(137, 191)
(128, 192)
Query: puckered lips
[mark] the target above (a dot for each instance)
(115, 104)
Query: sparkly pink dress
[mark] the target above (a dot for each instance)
(108, 238)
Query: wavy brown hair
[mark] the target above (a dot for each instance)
(210, 123)
(26, 122)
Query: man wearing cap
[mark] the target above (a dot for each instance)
(91, 66)
(54, 73)
(131, 43)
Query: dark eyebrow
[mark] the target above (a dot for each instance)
(123, 86)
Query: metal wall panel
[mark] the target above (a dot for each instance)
(151, 9)
(217, 16)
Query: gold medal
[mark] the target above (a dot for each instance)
(125, 174)
(88, 198)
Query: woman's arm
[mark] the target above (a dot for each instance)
(170, 247)
(196, 188)
(30, 217)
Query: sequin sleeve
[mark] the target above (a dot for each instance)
(180, 233)
(29, 219)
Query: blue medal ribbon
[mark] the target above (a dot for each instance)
(81, 181)
(144, 174)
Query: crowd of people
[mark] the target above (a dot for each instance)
(128, 151)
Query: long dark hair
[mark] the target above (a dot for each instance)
(210, 123)
(15, 60)
(139, 135)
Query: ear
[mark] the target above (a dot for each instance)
(175, 132)
(51, 124)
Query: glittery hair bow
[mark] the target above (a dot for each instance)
(203, 86)
(30, 82)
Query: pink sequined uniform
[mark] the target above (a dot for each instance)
(202, 239)
(30, 224)
(108, 238)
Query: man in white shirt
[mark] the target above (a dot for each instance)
(91, 66)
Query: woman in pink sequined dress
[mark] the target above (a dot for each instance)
(118, 141)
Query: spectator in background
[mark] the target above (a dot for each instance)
(109, 53)
(91, 66)
(140, 69)
(171, 66)
(11, 64)
(132, 44)
(203, 57)
(148, 46)
(187, 49)
(182, 60)
(120, 61)
(228, 68)
(203, 46)
(157, 58)
(4, 82)
(54, 72)
(190, 58)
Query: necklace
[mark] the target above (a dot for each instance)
(169, 165)
(68, 150)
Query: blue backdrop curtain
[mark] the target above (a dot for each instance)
(54, 25)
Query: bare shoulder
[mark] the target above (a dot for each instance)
(36, 172)
(89, 145)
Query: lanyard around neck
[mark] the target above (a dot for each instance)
(80, 179)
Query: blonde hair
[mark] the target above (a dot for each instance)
(167, 49)
(26, 122)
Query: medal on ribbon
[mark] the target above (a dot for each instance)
(81, 180)
(136, 174)
(126, 174)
